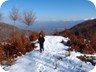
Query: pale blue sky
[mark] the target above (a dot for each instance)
(53, 9)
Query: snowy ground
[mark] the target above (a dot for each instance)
(55, 58)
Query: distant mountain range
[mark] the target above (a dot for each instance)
(87, 27)
(50, 26)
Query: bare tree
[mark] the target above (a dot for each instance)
(28, 18)
(14, 15)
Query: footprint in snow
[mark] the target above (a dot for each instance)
(41, 68)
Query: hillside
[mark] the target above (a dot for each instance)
(86, 28)
(6, 30)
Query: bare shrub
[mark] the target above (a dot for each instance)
(14, 15)
(28, 18)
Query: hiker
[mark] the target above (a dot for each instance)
(41, 42)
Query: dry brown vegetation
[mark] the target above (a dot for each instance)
(17, 45)
(81, 40)
(34, 36)
(80, 43)
(87, 59)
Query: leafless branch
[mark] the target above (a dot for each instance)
(28, 17)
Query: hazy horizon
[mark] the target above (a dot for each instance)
(48, 26)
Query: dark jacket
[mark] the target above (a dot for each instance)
(41, 40)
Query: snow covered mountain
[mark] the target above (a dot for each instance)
(55, 58)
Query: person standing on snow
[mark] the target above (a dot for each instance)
(41, 42)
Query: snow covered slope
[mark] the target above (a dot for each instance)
(1, 70)
(55, 58)
(94, 70)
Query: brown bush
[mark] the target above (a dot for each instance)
(24, 40)
(79, 42)
(66, 33)
(33, 36)
(2, 55)
(18, 44)
(57, 34)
